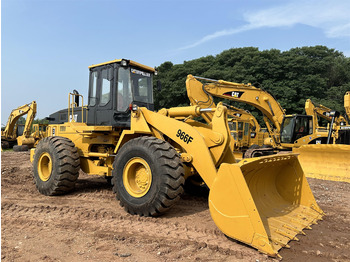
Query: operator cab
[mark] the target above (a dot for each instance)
(294, 127)
(240, 131)
(113, 87)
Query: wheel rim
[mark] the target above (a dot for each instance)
(137, 177)
(45, 166)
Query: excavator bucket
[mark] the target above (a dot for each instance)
(328, 162)
(264, 202)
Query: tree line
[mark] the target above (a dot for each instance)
(318, 72)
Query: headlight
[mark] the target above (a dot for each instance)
(124, 63)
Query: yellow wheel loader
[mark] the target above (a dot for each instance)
(299, 133)
(264, 202)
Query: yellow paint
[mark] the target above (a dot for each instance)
(132, 63)
(45, 166)
(137, 177)
(327, 162)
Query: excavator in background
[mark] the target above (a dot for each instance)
(245, 130)
(294, 130)
(336, 129)
(9, 136)
(263, 202)
(318, 110)
(327, 161)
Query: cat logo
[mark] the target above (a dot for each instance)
(235, 94)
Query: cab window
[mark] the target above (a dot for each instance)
(107, 76)
(287, 130)
(93, 88)
(246, 129)
(142, 86)
(240, 130)
(124, 96)
(301, 127)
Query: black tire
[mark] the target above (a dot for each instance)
(166, 172)
(63, 156)
(5, 145)
(21, 148)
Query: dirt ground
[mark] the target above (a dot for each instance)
(89, 225)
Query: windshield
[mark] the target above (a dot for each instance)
(133, 85)
(294, 128)
(142, 86)
(287, 130)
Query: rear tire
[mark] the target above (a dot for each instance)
(148, 176)
(56, 166)
(21, 148)
(5, 145)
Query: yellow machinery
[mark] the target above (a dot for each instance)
(295, 130)
(264, 202)
(327, 161)
(347, 104)
(245, 130)
(202, 95)
(9, 134)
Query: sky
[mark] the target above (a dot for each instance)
(47, 45)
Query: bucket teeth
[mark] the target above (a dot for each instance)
(279, 242)
(291, 228)
(285, 234)
(294, 229)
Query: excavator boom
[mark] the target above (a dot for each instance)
(9, 133)
(202, 95)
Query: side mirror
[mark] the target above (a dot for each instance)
(76, 97)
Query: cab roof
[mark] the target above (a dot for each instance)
(130, 62)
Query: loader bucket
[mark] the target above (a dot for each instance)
(264, 202)
(328, 162)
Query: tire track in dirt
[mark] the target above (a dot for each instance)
(91, 215)
(120, 222)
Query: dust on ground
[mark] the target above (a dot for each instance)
(89, 225)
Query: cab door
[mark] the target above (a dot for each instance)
(100, 95)
(104, 93)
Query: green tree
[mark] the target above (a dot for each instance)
(319, 73)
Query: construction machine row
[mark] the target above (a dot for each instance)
(324, 151)
(149, 156)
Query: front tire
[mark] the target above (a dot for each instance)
(56, 166)
(148, 176)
